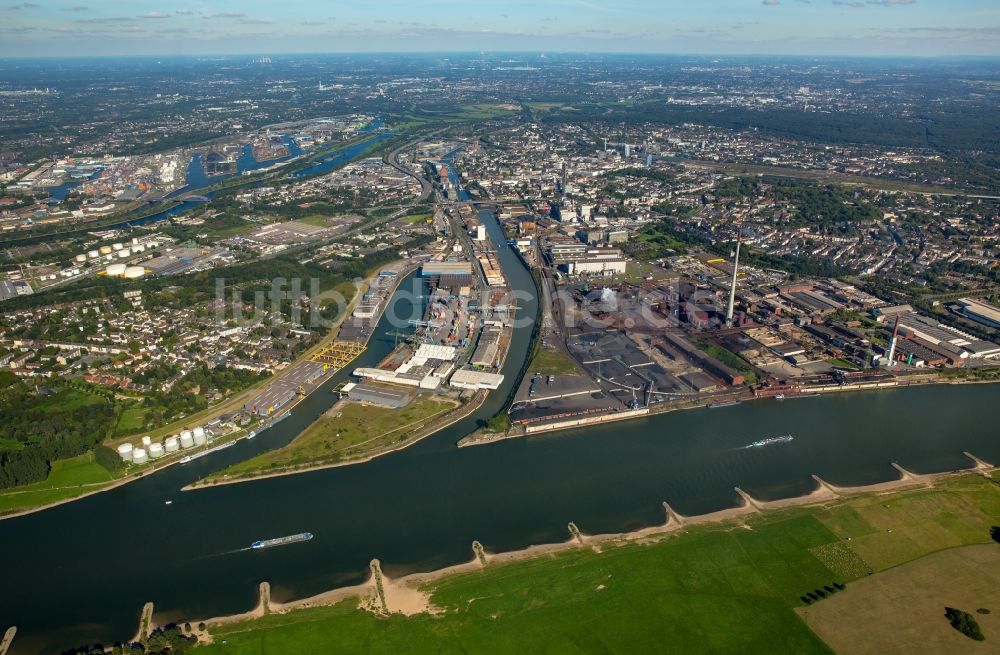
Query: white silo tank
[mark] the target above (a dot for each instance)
(117, 246)
(156, 450)
(124, 253)
(125, 451)
(172, 444)
(81, 258)
(139, 248)
(105, 250)
(135, 240)
(187, 439)
(139, 456)
(146, 441)
(134, 272)
(199, 436)
(93, 254)
(115, 270)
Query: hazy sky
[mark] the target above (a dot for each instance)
(852, 27)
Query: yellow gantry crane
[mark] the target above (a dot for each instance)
(337, 354)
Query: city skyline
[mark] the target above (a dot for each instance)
(763, 27)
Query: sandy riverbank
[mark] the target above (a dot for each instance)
(409, 595)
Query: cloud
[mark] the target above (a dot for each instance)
(184, 12)
(155, 14)
(23, 5)
(106, 19)
(225, 14)
(770, 3)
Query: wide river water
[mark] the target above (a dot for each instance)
(80, 572)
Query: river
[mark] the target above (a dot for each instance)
(80, 572)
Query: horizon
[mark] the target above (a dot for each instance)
(488, 53)
(832, 28)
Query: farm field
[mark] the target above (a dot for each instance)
(966, 578)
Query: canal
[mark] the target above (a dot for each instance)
(81, 572)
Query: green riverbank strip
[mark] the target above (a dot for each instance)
(730, 587)
(348, 432)
(68, 479)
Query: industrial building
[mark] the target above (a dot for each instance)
(573, 260)
(942, 339)
(372, 394)
(488, 348)
(426, 369)
(449, 274)
(476, 380)
(979, 312)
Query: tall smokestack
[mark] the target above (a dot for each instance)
(892, 344)
(732, 288)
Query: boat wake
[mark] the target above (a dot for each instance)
(222, 554)
(770, 441)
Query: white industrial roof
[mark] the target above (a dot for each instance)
(469, 379)
(428, 351)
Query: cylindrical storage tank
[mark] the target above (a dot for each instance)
(135, 240)
(117, 246)
(172, 445)
(115, 270)
(139, 248)
(139, 456)
(81, 258)
(122, 254)
(134, 272)
(199, 433)
(105, 250)
(125, 452)
(146, 441)
(156, 450)
(93, 254)
(187, 439)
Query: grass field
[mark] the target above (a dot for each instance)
(418, 218)
(545, 106)
(552, 362)
(723, 588)
(316, 220)
(732, 360)
(348, 431)
(67, 479)
(909, 601)
(132, 420)
(486, 111)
